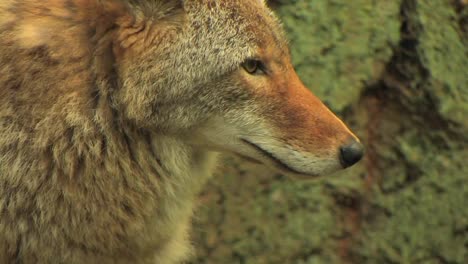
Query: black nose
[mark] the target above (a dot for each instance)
(351, 153)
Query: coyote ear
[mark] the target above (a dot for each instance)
(161, 14)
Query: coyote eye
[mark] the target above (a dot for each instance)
(253, 66)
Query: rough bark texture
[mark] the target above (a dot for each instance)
(397, 72)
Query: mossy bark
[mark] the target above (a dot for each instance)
(397, 73)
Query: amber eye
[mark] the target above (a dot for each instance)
(253, 66)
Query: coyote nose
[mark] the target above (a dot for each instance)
(351, 153)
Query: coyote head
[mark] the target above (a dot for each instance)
(218, 74)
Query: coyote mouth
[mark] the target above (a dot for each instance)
(278, 162)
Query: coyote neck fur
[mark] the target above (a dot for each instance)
(88, 178)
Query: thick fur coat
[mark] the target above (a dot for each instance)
(110, 113)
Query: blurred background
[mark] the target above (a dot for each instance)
(397, 72)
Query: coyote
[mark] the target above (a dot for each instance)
(112, 112)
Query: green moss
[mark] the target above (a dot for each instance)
(338, 46)
(445, 56)
(425, 222)
(423, 189)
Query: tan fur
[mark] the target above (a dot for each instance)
(110, 112)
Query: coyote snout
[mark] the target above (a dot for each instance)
(295, 131)
(301, 136)
(279, 122)
(304, 136)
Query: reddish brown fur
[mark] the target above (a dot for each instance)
(300, 117)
